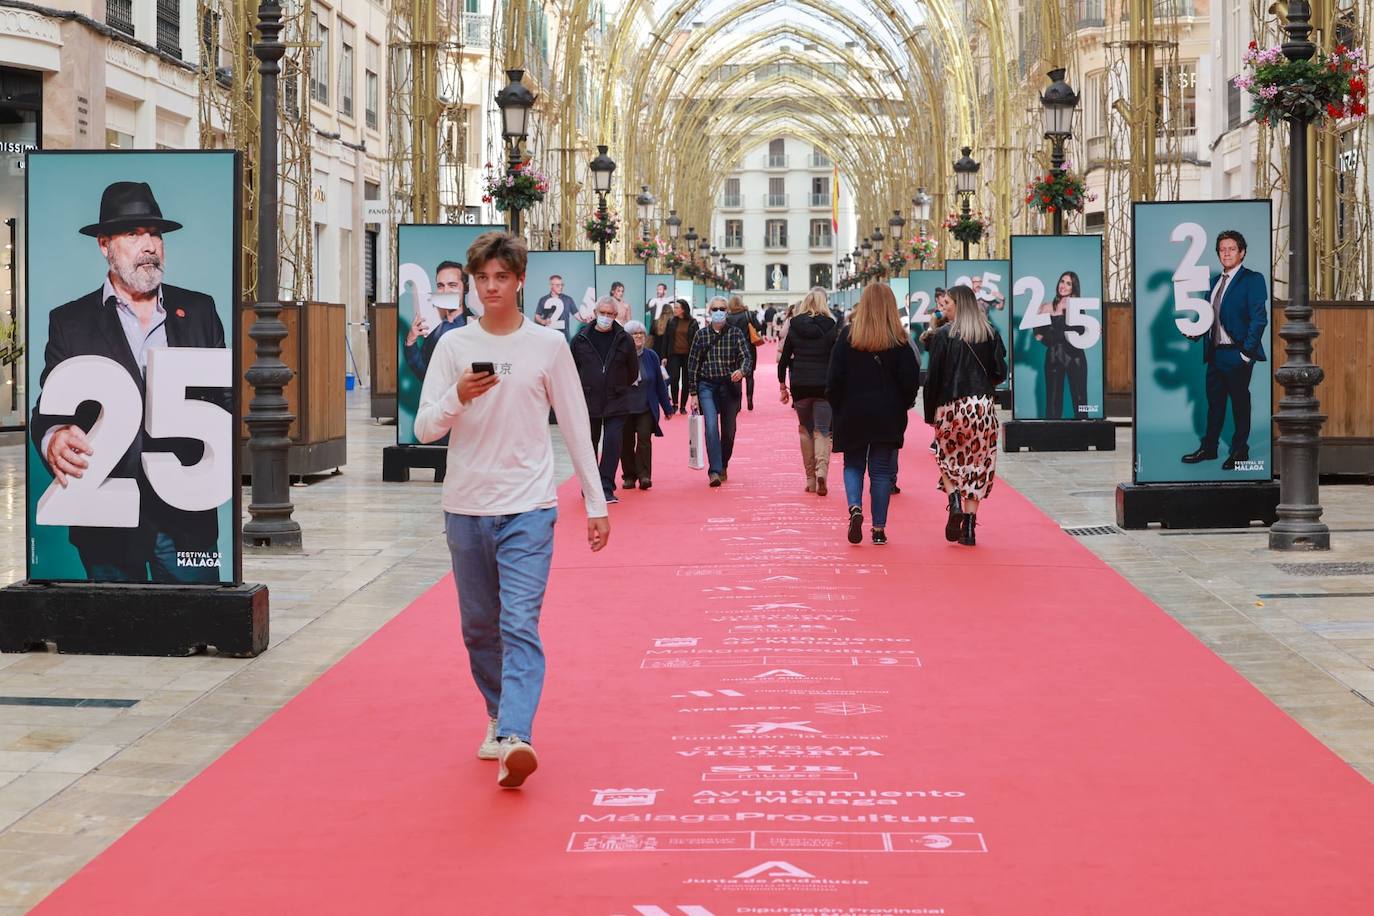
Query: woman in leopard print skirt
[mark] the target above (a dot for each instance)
(968, 360)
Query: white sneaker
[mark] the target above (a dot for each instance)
(517, 763)
(490, 748)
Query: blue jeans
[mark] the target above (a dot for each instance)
(813, 415)
(719, 399)
(881, 464)
(501, 567)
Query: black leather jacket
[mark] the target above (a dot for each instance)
(606, 383)
(806, 351)
(959, 369)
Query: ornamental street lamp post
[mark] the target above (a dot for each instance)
(877, 238)
(602, 167)
(965, 183)
(269, 418)
(515, 102)
(920, 205)
(1299, 525)
(645, 204)
(1057, 104)
(894, 231)
(691, 238)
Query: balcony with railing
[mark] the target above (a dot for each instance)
(733, 243)
(821, 199)
(1096, 152)
(119, 15)
(1092, 14)
(775, 241)
(821, 242)
(731, 201)
(820, 161)
(775, 201)
(169, 27)
(1165, 9)
(476, 30)
(775, 161)
(1235, 105)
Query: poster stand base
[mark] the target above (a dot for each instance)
(1003, 397)
(84, 618)
(1058, 435)
(399, 460)
(1197, 505)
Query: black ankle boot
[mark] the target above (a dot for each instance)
(955, 523)
(967, 536)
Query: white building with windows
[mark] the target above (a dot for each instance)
(773, 221)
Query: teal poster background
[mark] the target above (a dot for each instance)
(1176, 263)
(1037, 263)
(651, 282)
(996, 279)
(699, 300)
(424, 246)
(578, 270)
(197, 189)
(632, 275)
(898, 285)
(920, 302)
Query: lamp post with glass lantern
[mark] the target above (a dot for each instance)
(1057, 105)
(515, 102)
(920, 211)
(965, 183)
(895, 224)
(878, 262)
(674, 224)
(269, 414)
(645, 204)
(602, 167)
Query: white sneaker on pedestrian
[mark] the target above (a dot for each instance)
(517, 763)
(490, 748)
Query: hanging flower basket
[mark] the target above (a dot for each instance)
(598, 230)
(654, 248)
(1058, 190)
(673, 260)
(521, 189)
(896, 263)
(921, 248)
(1334, 85)
(969, 229)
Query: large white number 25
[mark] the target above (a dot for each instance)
(1191, 277)
(95, 500)
(1086, 329)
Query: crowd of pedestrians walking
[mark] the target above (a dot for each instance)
(492, 381)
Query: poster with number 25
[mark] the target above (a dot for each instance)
(1203, 384)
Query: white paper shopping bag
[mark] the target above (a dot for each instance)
(696, 441)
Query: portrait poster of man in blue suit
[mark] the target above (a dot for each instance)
(1203, 379)
(1230, 348)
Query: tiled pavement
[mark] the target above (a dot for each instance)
(72, 779)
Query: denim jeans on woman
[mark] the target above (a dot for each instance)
(881, 463)
(501, 564)
(813, 414)
(719, 400)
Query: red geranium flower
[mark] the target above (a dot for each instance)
(1045, 198)
(1333, 110)
(1357, 88)
(1357, 108)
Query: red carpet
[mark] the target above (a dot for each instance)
(744, 714)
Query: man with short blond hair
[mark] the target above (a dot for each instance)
(492, 383)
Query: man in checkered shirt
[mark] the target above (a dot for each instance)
(719, 360)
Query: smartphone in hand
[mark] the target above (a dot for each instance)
(488, 368)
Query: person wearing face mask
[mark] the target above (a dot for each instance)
(609, 367)
(720, 360)
(450, 286)
(647, 396)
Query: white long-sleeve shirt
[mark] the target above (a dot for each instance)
(500, 453)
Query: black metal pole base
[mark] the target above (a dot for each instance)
(1003, 398)
(99, 619)
(1287, 534)
(1197, 505)
(1058, 435)
(399, 460)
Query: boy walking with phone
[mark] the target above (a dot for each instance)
(500, 497)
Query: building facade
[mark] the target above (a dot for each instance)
(773, 220)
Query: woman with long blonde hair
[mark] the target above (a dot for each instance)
(967, 362)
(871, 385)
(806, 355)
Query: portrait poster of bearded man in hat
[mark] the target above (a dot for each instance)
(132, 475)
